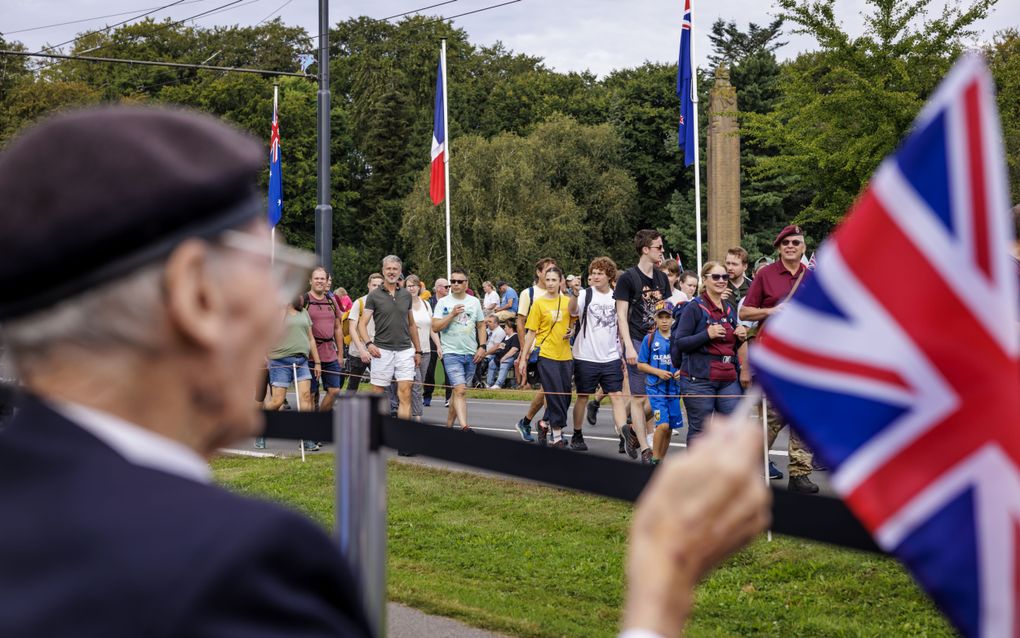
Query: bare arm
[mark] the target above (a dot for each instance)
(622, 310)
(480, 329)
(750, 313)
(412, 327)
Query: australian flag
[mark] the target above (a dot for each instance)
(685, 70)
(897, 361)
(275, 211)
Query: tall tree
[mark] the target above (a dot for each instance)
(1004, 61)
(845, 107)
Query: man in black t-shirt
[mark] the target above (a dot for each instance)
(637, 291)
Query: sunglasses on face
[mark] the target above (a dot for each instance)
(792, 242)
(718, 277)
(659, 247)
(458, 281)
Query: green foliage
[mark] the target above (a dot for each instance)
(1004, 61)
(733, 46)
(558, 191)
(845, 107)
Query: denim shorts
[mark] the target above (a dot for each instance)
(460, 368)
(281, 371)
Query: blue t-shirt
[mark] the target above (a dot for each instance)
(655, 352)
(507, 296)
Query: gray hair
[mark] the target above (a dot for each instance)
(125, 312)
(388, 259)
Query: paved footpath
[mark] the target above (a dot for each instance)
(406, 622)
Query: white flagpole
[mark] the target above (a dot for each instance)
(446, 160)
(697, 145)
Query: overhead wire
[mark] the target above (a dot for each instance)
(107, 28)
(81, 20)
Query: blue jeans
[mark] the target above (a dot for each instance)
(700, 408)
(460, 368)
(504, 370)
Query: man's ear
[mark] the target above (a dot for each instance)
(195, 303)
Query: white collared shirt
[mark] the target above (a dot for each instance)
(136, 444)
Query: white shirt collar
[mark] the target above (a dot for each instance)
(136, 444)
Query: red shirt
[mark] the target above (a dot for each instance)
(772, 285)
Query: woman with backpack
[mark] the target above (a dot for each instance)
(706, 339)
(548, 332)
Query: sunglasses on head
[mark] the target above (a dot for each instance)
(458, 281)
(791, 242)
(717, 277)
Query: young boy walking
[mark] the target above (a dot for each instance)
(662, 383)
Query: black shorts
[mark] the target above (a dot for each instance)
(589, 375)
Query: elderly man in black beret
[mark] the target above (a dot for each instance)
(139, 366)
(131, 254)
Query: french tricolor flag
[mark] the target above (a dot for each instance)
(437, 183)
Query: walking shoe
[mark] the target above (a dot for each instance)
(260, 443)
(426, 402)
(622, 446)
(446, 405)
(310, 446)
(774, 473)
(654, 461)
(559, 445)
(525, 431)
(543, 433)
(593, 411)
(802, 484)
(577, 442)
(630, 441)
(646, 456)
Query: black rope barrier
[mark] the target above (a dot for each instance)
(813, 517)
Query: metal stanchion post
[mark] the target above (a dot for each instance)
(765, 445)
(361, 500)
(297, 401)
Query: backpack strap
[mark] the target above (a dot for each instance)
(584, 311)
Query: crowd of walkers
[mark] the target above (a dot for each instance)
(668, 347)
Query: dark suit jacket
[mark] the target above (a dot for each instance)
(91, 545)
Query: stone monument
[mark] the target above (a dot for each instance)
(723, 167)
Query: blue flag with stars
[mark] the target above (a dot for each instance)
(275, 173)
(685, 131)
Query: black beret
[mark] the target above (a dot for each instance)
(90, 196)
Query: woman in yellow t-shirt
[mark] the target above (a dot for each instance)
(549, 330)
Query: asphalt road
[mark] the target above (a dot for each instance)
(498, 418)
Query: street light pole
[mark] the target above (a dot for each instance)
(324, 209)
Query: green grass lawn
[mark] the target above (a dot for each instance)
(534, 561)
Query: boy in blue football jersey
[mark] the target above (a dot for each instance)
(662, 383)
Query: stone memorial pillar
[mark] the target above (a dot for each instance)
(723, 167)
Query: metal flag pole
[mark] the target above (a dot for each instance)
(446, 159)
(697, 145)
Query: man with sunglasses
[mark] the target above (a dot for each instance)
(113, 525)
(772, 286)
(460, 322)
(637, 292)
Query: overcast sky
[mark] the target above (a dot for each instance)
(571, 35)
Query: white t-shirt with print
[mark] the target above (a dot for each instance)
(598, 341)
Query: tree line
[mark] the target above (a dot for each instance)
(542, 162)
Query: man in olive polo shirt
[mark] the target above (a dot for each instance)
(395, 350)
(772, 286)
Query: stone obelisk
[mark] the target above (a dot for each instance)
(723, 167)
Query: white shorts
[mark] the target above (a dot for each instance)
(393, 364)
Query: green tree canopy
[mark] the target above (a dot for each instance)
(558, 191)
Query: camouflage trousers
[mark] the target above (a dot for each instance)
(800, 456)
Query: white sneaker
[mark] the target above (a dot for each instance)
(446, 405)
(494, 387)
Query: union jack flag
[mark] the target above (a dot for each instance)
(897, 359)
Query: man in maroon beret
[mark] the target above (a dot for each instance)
(772, 286)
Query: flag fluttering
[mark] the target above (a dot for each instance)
(909, 392)
(686, 129)
(275, 199)
(437, 178)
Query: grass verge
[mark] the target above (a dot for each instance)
(535, 561)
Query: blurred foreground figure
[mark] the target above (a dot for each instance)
(139, 303)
